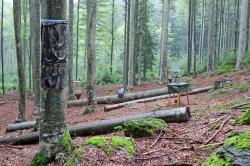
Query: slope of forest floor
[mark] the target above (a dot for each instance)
(178, 144)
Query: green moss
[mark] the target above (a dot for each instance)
(65, 142)
(217, 160)
(109, 143)
(88, 110)
(245, 118)
(240, 141)
(144, 127)
(39, 160)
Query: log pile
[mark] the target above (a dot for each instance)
(104, 126)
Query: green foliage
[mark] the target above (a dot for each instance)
(246, 60)
(157, 107)
(88, 110)
(143, 127)
(39, 160)
(109, 143)
(245, 118)
(244, 87)
(217, 160)
(240, 141)
(227, 64)
(107, 78)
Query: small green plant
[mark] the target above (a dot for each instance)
(241, 141)
(157, 107)
(244, 119)
(88, 111)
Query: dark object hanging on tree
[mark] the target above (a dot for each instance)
(54, 54)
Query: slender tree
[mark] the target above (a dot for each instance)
(210, 35)
(91, 52)
(2, 60)
(112, 36)
(77, 37)
(125, 60)
(242, 35)
(20, 59)
(202, 31)
(164, 42)
(70, 48)
(35, 51)
(131, 44)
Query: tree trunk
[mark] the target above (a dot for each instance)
(91, 52)
(127, 97)
(236, 31)
(2, 60)
(112, 37)
(202, 31)
(164, 42)
(126, 43)
(20, 126)
(70, 48)
(120, 105)
(20, 59)
(77, 37)
(35, 52)
(131, 44)
(54, 67)
(242, 36)
(210, 35)
(106, 126)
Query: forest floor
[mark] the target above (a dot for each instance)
(180, 144)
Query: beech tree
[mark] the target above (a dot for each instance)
(70, 49)
(242, 35)
(164, 42)
(91, 52)
(20, 60)
(54, 135)
(35, 51)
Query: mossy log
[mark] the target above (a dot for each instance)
(20, 126)
(120, 105)
(105, 126)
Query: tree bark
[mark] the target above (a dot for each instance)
(164, 42)
(105, 126)
(20, 126)
(54, 68)
(127, 97)
(112, 37)
(20, 59)
(131, 44)
(91, 52)
(242, 35)
(70, 48)
(126, 41)
(77, 37)
(210, 35)
(2, 59)
(35, 52)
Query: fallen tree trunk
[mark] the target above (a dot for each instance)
(120, 105)
(20, 126)
(104, 126)
(128, 97)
